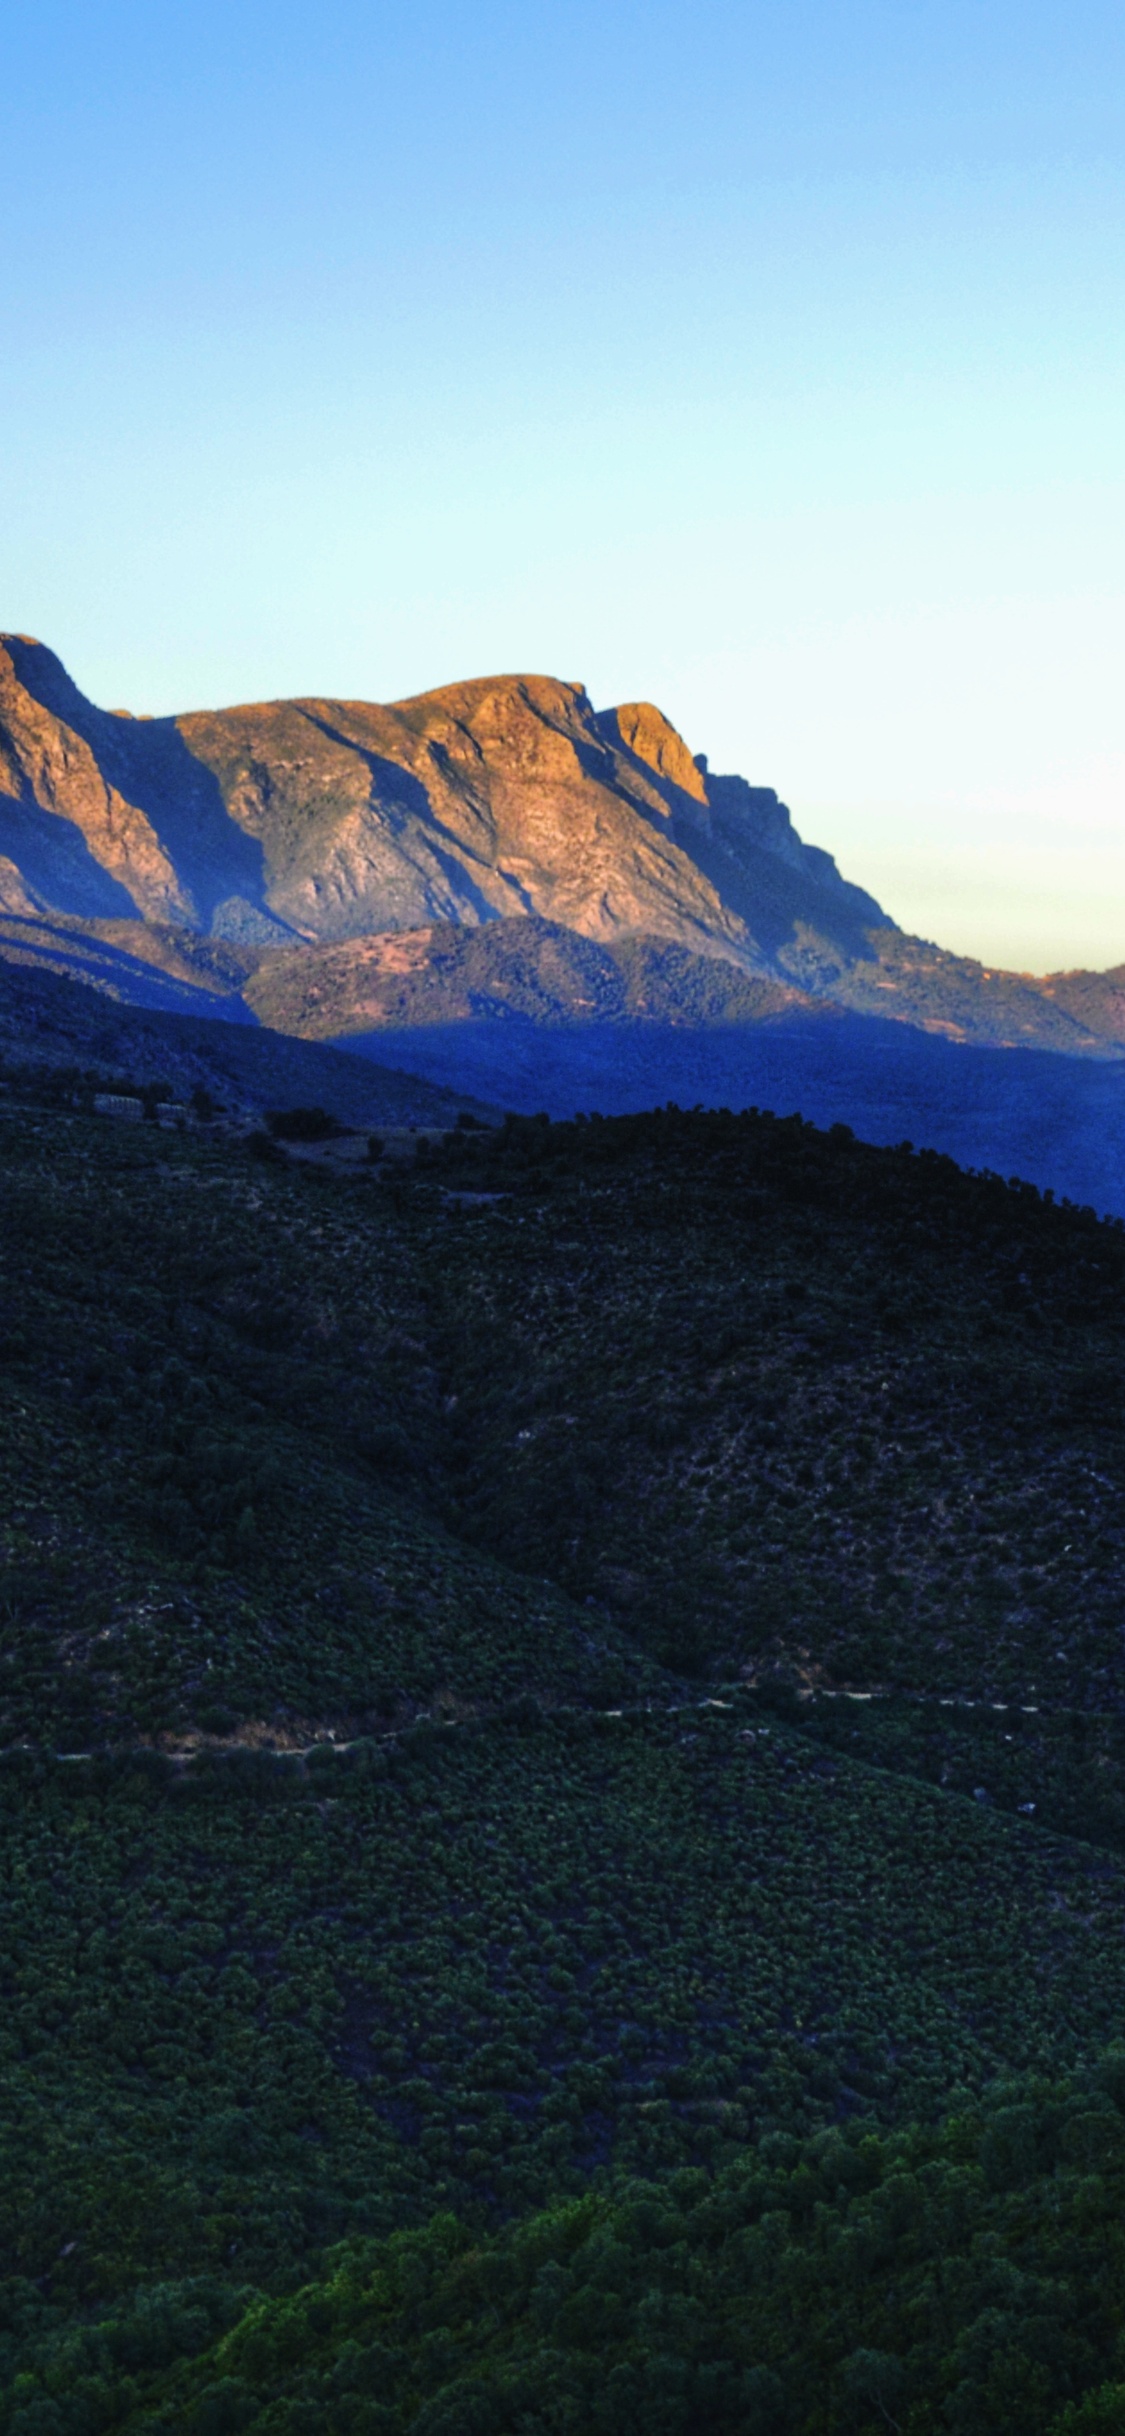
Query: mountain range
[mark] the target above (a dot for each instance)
(500, 888)
(562, 1695)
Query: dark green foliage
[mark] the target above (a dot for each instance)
(214, 1388)
(967, 2278)
(428, 1605)
(779, 1400)
(1063, 1768)
(257, 2002)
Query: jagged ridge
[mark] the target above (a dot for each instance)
(323, 820)
(491, 848)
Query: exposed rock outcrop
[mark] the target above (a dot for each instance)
(329, 820)
(331, 866)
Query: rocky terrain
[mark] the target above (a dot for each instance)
(317, 820)
(332, 868)
(519, 902)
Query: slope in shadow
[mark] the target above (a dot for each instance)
(55, 864)
(1055, 1120)
(149, 763)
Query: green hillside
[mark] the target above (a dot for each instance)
(966, 2278)
(779, 1400)
(587, 1662)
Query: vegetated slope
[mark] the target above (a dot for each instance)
(583, 1025)
(249, 2012)
(154, 965)
(525, 969)
(1096, 1000)
(960, 999)
(291, 1455)
(771, 1399)
(547, 975)
(964, 2278)
(780, 1399)
(215, 1402)
(1059, 1121)
(1063, 1767)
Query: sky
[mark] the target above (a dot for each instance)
(763, 360)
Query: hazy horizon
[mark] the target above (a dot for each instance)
(763, 362)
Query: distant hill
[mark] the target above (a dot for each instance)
(526, 969)
(546, 974)
(48, 1023)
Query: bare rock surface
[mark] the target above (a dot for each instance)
(494, 849)
(323, 820)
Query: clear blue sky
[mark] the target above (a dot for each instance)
(765, 360)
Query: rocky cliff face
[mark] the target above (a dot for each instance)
(331, 868)
(324, 821)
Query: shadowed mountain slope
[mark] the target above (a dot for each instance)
(1059, 1121)
(552, 975)
(51, 1028)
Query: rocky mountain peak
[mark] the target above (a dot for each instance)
(324, 820)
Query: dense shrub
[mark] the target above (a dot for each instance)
(428, 1602)
(967, 2277)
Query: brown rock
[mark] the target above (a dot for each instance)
(46, 765)
(335, 820)
(646, 732)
